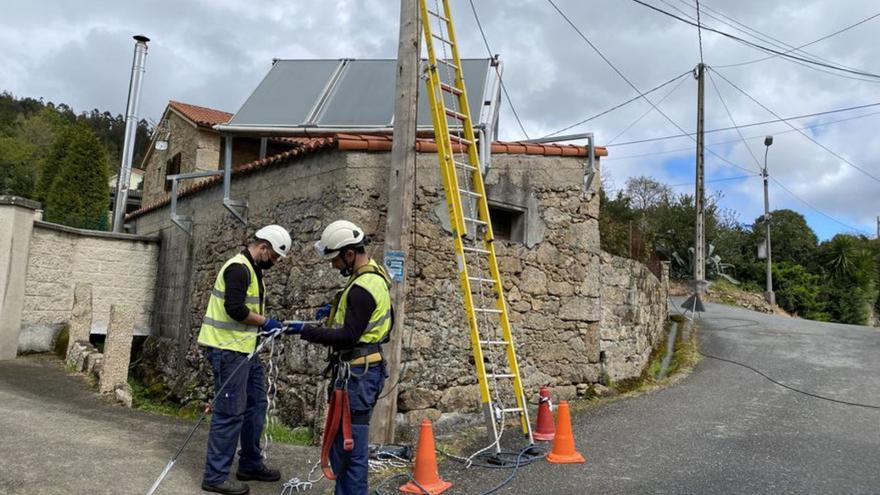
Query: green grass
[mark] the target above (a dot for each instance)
(281, 433)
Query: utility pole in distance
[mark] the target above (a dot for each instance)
(700, 192)
(401, 192)
(769, 295)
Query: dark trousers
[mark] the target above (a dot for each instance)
(239, 414)
(352, 467)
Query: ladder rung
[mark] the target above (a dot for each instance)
(512, 409)
(438, 16)
(464, 166)
(460, 140)
(482, 280)
(444, 40)
(475, 250)
(450, 89)
(474, 220)
(493, 342)
(487, 310)
(456, 115)
(447, 62)
(470, 193)
(499, 375)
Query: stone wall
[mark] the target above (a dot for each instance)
(553, 280)
(121, 269)
(184, 139)
(634, 310)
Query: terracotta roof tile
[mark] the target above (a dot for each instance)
(364, 142)
(203, 116)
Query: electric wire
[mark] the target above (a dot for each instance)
(620, 105)
(802, 133)
(817, 210)
(725, 179)
(753, 323)
(498, 72)
(753, 124)
(732, 121)
(678, 150)
(759, 46)
(699, 31)
(645, 114)
(794, 48)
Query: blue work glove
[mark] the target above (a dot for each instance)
(271, 326)
(294, 327)
(323, 312)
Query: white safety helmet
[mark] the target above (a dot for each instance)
(277, 236)
(338, 235)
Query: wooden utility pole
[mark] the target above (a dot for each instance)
(401, 192)
(700, 194)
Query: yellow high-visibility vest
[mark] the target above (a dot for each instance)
(374, 279)
(218, 328)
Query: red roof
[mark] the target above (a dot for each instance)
(364, 142)
(202, 116)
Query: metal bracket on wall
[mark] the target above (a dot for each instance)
(236, 207)
(589, 168)
(184, 221)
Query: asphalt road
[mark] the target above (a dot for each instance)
(725, 429)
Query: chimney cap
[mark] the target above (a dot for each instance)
(140, 37)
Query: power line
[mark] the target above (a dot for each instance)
(732, 121)
(757, 45)
(789, 191)
(678, 150)
(498, 72)
(802, 133)
(753, 124)
(619, 105)
(738, 177)
(646, 113)
(792, 48)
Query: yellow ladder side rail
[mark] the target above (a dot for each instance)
(456, 216)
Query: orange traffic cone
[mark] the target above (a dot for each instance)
(544, 428)
(563, 445)
(425, 472)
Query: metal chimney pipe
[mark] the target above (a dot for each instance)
(131, 122)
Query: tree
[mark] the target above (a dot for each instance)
(17, 176)
(78, 196)
(645, 192)
(791, 239)
(799, 291)
(850, 278)
(53, 163)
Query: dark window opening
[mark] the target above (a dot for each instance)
(172, 167)
(508, 224)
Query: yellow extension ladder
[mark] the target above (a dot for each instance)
(501, 387)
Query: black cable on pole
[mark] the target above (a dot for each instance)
(619, 105)
(500, 80)
(758, 45)
(753, 124)
(802, 133)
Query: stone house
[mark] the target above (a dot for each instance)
(580, 316)
(185, 141)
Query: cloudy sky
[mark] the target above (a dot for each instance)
(214, 53)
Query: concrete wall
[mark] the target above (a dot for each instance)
(553, 280)
(16, 224)
(120, 267)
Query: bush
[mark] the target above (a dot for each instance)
(798, 291)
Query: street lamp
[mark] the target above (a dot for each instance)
(768, 294)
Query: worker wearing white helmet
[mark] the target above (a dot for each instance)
(360, 319)
(229, 332)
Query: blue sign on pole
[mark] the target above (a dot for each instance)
(394, 263)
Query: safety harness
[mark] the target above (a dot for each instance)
(339, 366)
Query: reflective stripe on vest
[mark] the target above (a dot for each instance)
(218, 328)
(377, 283)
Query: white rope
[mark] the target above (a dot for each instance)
(295, 485)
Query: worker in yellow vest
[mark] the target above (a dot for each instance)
(360, 320)
(232, 324)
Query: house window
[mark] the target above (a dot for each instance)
(508, 223)
(172, 167)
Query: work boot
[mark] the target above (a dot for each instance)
(228, 487)
(262, 474)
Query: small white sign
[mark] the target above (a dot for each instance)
(161, 145)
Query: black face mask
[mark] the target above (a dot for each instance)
(347, 270)
(265, 264)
